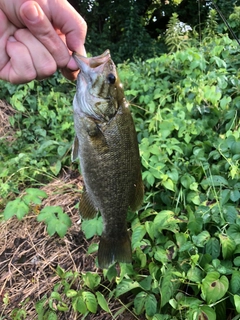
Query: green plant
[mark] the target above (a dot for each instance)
(176, 34)
(56, 220)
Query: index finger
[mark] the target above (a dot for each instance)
(62, 17)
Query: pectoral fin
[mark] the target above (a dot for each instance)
(75, 148)
(87, 209)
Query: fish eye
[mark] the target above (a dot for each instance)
(111, 78)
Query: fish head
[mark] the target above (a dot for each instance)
(99, 90)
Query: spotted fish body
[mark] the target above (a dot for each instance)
(106, 145)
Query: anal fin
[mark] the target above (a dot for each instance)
(87, 209)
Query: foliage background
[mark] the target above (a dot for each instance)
(186, 106)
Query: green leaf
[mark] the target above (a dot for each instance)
(195, 275)
(125, 286)
(167, 287)
(228, 246)
(235, 195)
(92, 280)
(139, 302)
(165, 220)
(224, 196)
(236, 261)
(151, 305)
(235, 282)
(34, 195)
(206, 313)
(16, 207)
(137, 235)
(56, 220)
(90, 301)
(234, 233)
(213, 247)
(237, 302)
(92, 227)
(214, 181)
(102, 302)
(201, 239)
(168, 184)
(214, 288)
(79, 305)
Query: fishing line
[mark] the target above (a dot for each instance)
(225, 22)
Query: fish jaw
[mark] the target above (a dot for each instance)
(98, 87)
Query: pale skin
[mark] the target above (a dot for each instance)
(37, 38)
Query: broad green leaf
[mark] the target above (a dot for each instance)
(237, 302)
(201, 239)
(224, 196)
(151, 305)
(187, 180)
(92, 227)
(206, 313)
(165, 220)
(146, 283)
(213, 247)
(139, 302)
(34, 195)
(51, 315)
(169, 184)
(195, 275)
(236, 261)
(56, 220)
(90, 301)
(126, 285)
(79, 305)
(102, 302)
(230, 213)
(167, 287)
(235, 195)
(228, 246)
(214, 181)
(137, 235)
(92, 280)
(234, 233)
(56, 167)
(214, 287)
(235, 282)
(16, 207)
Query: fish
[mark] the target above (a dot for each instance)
(107, 148)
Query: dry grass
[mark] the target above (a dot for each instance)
(6, 130)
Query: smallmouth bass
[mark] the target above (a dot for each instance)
(106, 145)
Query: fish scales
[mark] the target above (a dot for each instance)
(106, 145)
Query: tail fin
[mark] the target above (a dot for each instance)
(114, 250)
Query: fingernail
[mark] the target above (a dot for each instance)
(31, 12)
(12, 39)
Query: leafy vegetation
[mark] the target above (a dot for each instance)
(186, 237)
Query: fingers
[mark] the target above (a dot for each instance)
(18, 70)
(6, 30)
(43, 62)
(39, 25)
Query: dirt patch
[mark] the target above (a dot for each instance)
(6, 130)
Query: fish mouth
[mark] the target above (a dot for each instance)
(96, 63)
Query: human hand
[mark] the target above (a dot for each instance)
(37, 37)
